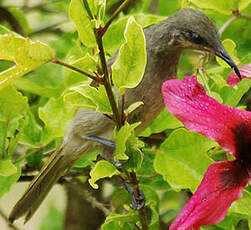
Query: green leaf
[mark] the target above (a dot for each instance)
(3, 134)
(134, 153)
(35, 159)
(218, 80)
(87, 159)
(86, 96)
(55, 115)
(222, 6)
(26, 54)
(121, 138)
(242, 205)
(183, 160)
(235, 94)
(243, 4)
(168, 7)
(7, 168)
(115, 221)
(31, 132)
(129, 66)
(165, 120)
(230, 46)
(78, 100)
(113, 38)
(101, 170)
(133, 107)
(12, 103)
(80, 18)
(7, 181)
(152, 201)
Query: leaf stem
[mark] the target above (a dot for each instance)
(95, 78)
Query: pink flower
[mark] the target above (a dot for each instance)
(231, 128)
(245, 71)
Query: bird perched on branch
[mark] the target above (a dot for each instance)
(165, 41)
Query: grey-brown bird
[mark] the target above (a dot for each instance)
(165, 41)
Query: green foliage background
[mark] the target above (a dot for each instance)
(39, 98)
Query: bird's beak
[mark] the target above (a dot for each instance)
(226, 57)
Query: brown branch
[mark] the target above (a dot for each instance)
(138, 196)
(69, 66)
(106, 78)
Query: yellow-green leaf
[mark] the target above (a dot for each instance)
(243, 4)
(89, 97)
(101, 170)
(7, 168)
(129, 67)
(222, 6)
(80, 18)
(26, 54)
(121, 138)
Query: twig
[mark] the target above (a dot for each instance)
(28, 154)
(95, 78)
(226, 24)
(5, 217)
(240, 15)
(237, 15)
(245, 16)
(114, 15)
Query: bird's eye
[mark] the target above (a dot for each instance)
(196, 38)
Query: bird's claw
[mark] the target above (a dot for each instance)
(138, 202)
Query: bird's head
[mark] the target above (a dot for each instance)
(192, 29)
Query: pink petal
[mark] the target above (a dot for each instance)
(188, 101)
(245, 71)
(222, 184)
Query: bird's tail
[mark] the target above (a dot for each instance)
(53, 169)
